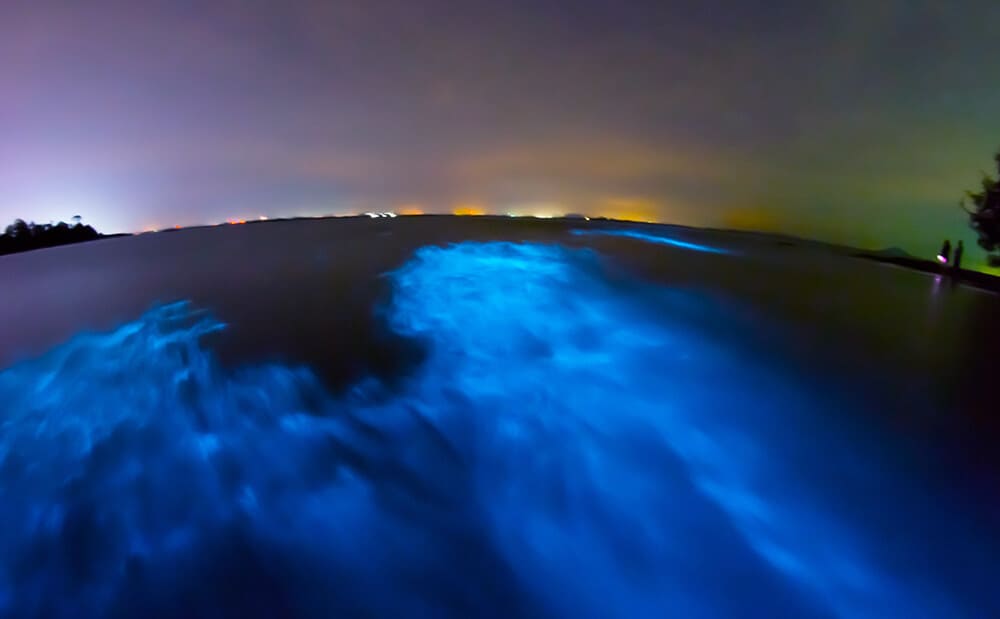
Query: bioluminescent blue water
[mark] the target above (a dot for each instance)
(653, 238)
(572, 445)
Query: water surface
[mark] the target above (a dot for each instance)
(493, 417)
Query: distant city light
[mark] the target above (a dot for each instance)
(469, 209)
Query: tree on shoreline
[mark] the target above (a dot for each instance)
(23, 236)
(984, 216)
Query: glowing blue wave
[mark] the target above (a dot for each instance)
(564, 450)
(652, 238)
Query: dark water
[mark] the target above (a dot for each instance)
(455, 417)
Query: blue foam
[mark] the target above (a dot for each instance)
(652, 238)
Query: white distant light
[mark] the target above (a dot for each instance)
(372, 215)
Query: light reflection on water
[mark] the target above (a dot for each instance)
(563, 450)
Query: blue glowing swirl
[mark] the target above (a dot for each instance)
(564, 450)
(652, 238)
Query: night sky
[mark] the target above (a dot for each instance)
(849, 121)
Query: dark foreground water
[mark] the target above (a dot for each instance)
(357, 418)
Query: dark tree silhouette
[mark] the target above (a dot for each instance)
(984, 216)
(22, 236)
(18, 230)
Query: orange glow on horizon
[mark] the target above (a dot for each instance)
(410, 209)
(468, 209)
(630, 209)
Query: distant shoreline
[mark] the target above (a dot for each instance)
(978, 279)
(26, 250)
